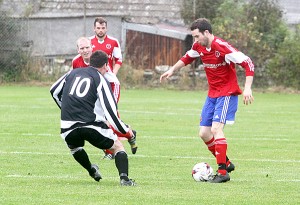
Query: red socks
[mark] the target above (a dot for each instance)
(221, 148)
(218, 148)
(211, 145)
(107, 151)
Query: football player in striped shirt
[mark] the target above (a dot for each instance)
(86, 102)
(219, 59)
(84, 49)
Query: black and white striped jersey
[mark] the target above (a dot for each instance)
(85, 98)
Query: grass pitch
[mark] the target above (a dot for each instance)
(37, 168)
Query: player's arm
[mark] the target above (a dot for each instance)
(116, 68)
(244, 61)
(57, 88)
(117, 55)
(110, 107)
(188, 58)
(171, 71)
(247, 94)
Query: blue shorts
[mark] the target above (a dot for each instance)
(221, 109)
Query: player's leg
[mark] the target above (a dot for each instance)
(108, 154)
(206, 122)
(208, 136)
(116, 93)
(220, 153)
(220, 146)
(131, 139)
(104, 138)
(121, 161)
(75, 143)
(225, 109)
(115, 87)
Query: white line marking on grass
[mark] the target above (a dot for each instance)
(158, 156)
(210, 158)
(7, 133)
(247, 180)
(229, 138)
(29, 134)
(9, 106)
(158, 113)
(186, 112)
(40, 134)
(33, 153)
(286, 180)
(263, 137)
(42, 177)
(50, 177)
(110, 177)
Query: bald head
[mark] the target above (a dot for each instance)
(84, 48)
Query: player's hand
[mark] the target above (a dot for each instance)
(166, 75)
(247, 96)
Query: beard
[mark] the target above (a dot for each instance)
(205, 42)
(101, 35)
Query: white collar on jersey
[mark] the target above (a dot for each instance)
(100, 41)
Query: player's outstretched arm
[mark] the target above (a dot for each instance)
(171, 71)
(247, 94)
(166, 75)
(109, 107)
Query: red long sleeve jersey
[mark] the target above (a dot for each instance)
(110, 46)
(219, 65)
(78, 62)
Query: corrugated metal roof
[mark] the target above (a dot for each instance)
(162, 29)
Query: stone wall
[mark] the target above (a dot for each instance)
(54, 25)
(146, 11)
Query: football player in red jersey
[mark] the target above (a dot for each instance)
(102, 41)
(111, 46)
(82, 60)
(219, 59)
(84, 49)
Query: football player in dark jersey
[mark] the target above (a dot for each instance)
(87, 103)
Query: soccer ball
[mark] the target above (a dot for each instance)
(202, 172)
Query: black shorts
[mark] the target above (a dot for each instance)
(77, 137)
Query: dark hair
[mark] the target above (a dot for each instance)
(98, 59)
(100, 20)
(202, 24)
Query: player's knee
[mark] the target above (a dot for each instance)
(217, 130)
(204, 134)
(75, 149)
(201, 134)
(217, 133)
(121, 153)
(117, 147)
(214, 130)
